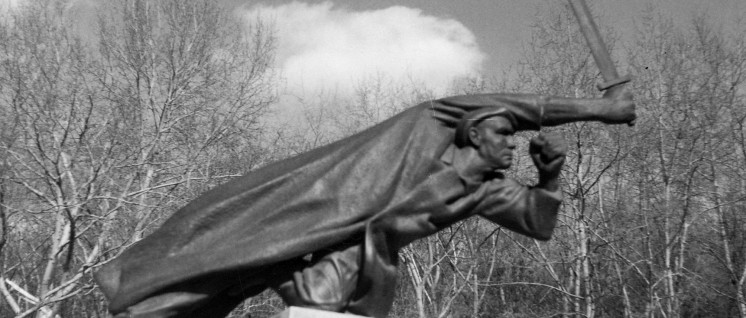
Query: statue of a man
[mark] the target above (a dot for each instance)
(324, 228)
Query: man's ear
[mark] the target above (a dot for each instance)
(475, 137)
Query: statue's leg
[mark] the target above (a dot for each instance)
(327, 283)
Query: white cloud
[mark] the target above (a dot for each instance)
(326, 47)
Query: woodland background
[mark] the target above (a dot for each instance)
(105, 134)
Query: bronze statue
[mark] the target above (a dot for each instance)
(323, 228)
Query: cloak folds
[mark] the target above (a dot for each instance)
(383, 187)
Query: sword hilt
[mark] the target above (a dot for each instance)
(612, 83)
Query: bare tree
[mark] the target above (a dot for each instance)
(111, 141)
(723, 58)
(559, 63)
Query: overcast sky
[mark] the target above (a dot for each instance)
(332, 44)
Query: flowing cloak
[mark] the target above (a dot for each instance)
(381, 188)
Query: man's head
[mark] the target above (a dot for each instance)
(490, 132)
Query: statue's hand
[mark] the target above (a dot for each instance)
(548, 152)
(622, 106)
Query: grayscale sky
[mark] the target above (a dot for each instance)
(333, 44)
(502, 26)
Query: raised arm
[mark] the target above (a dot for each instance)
(561, 110)
(534, 111)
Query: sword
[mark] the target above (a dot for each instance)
(612, 81)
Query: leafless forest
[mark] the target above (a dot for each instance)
(108, 130)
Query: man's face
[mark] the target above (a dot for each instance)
(493, 138)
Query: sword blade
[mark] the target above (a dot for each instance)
(598, 47)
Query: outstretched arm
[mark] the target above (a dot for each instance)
(533, 111)
(557, 110)
(561, 110)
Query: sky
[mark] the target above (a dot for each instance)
(333, 44)
(325, 46)
(330, 45)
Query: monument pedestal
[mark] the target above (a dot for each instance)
(299, 312)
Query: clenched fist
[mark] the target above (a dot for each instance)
(620, 108)
(548, 153)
